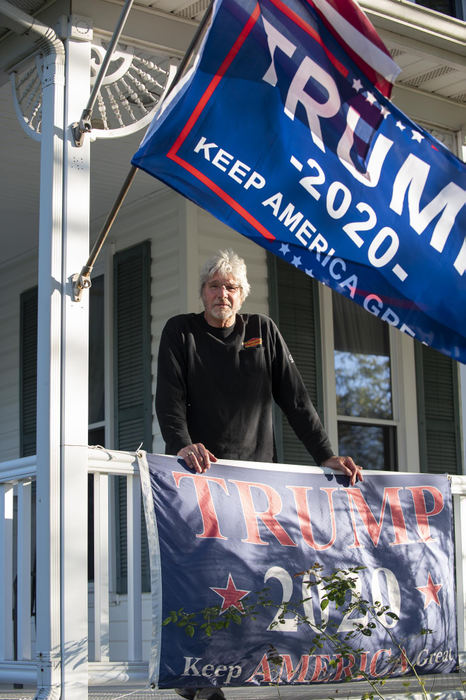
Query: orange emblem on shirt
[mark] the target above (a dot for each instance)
(252, 343)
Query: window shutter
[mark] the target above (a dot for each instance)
(295, 309)
(28, 370)
(438, 410)
(132, 381)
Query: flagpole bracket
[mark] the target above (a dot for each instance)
(81, 128)
(81, 281)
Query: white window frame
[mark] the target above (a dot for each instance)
(404, 395)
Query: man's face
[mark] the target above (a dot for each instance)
(222, 300)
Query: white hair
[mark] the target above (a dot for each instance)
(227, 263)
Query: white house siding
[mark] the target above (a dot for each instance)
(15, 278)
(182, 237)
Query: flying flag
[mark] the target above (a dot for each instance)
(280, 134)
(351, 27)
(218, 539)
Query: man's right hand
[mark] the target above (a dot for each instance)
(197, 457)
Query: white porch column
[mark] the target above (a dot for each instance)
(74, 452)
(62, 395)
(49, 379)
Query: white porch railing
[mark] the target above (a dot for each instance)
(119, 629)
(17, 604)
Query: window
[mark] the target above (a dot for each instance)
(454, 8)
(387, 400)
(363, 381)
(295, 309)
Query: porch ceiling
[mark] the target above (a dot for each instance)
(30, 7)
(419, 40)
(429, 47)
(19, 181)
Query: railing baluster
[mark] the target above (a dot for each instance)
(101, 569)
(133, 493)
(24, 571)
(6, 578)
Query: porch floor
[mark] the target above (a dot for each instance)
(445, 687)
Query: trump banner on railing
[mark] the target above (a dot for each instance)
(257, 544)
(282, 132)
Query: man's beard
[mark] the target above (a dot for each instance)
(222, 312)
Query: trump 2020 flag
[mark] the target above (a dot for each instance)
(282, 136)
(242, 538)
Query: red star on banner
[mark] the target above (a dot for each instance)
(430, 591)
(231, 596)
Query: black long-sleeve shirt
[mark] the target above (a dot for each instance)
(217, 386)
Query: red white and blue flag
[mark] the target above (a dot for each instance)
(285, 134)
(220, 538)
(353, 30)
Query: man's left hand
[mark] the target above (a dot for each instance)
(347, 466)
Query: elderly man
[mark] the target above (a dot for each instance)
(219, 373)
